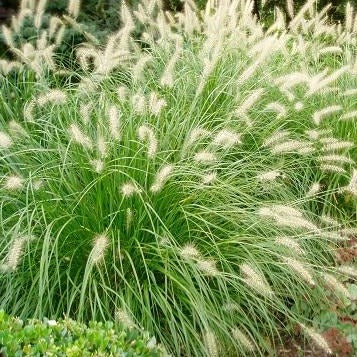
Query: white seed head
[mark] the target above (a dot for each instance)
(242, 339)
(54, 96)
(122, 92)
(13, 257)
(161, 177)
(335, 285)
(205, 157)
(84, 110)
(208, 267)
(278, 136)
(348, 270)
(278, 108)
(227, 139)
(299, 106)
(145, 133)
(210, 342)
(268, 176)
(318, 339)
(13, 182)
(337, 145)
(289, 243)
(5, 140)
(79, 137)
(129, 189)
(156, 104)
(15, 129)
(290, 146)
(189, 251)
(114, 122)
(314, 189)
(209, 178)
(319, 115)
(332, 168)
(138, 102)
(124, 318)
(100, 245)
(196, 134)
(349, 116)
(98, 165)
(255, 280)
(74, 7)
(299, 268)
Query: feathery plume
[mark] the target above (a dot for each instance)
(161, 177)
(145, 133)
(278, 136)
(314, 189)
(124, 318)
(205, 157)
(13, 182)
(210, 344)
(100, 245)
(55, 96)
(16, 130)
(227, 139)
(248, 103)
(290, 146)
(348, 92)
(329, 220)
(129, 218)
(255, 280)
(98, 165)
(13, 257)
(138, 102)
(189, 251)
(352, 186)
(74, 7)
(77, 135)
(114, 122)
(7, 34)
(320, 114)
(335, 285)
(332, 168)
(101, 145)
(348, 270)
(330, 49)
(129, 189)
(300, 269)
(318, 339)
(317, 134)
(84, 111)
(208, 267)
(242, 339)
(209, 178)
(5, 140)
(156, 104)
(336, 158)
(278, 108)
(138, 68)
(337, 145)
(299, 106)
(350, 115)
(268, 176)
(195, 134)
(289, 243)
(122, 92)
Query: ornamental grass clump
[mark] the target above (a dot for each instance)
(180, 180)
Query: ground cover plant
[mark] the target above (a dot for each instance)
(194, 175)
(71, 339)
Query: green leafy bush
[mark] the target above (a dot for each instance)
(195, 182)
(68, 338)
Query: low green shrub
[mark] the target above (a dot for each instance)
(68, 338)
(192, 183)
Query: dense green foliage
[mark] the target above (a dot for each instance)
(68, 338)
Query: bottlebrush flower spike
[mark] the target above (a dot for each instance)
(97, 253)
(13, 183)
(5, 141)
(314, 189)
(77, 135)
(189, 251)
(13, 257)
(210, 343)
(129, 189)
(289, 243)
(319, 115)
(161, 177)
(145, 133)
(255, 280)
(299, 268)
(227, 139)
(318, 339)
(114, 122)
(242, 339)
(74, 8)
(205, 157)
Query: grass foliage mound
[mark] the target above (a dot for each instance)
(194, 175)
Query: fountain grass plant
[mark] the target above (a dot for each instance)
(195, 182)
